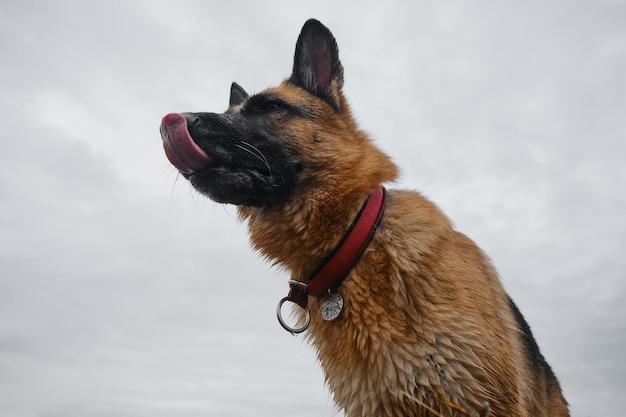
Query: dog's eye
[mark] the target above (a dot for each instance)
(272, 106)
(265, 106)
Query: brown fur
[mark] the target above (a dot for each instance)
(420, 291)
(427, 329)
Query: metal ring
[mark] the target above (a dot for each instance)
(292, 330)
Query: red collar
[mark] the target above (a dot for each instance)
(331, 271)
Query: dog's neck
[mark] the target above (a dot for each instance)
(300, 233)
(331, 271)
(301, 238)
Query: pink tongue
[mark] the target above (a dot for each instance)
(179, 147)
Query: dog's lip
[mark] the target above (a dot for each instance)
(179, 147)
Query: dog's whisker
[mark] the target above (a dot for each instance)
(173, 187)
(258, 154)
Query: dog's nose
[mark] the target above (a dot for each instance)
(192, 118)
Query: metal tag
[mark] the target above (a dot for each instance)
(332, 306)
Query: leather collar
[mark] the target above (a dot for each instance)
(335, 267)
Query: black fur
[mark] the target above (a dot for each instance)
(253, 165)
(535, 358)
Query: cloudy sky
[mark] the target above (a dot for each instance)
(125, 293)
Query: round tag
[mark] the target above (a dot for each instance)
(332, 306)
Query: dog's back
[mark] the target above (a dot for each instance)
(543, 392)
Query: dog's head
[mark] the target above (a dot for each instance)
(276, 146)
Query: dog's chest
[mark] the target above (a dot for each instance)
(372, 378)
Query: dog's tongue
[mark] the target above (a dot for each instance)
(179, 147)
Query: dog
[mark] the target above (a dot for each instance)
(407, 316)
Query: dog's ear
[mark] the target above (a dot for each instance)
(237, 96)
(316, 66)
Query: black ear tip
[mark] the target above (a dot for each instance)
(312, 22)
(315, 26)
(313, 31)
(237, 95)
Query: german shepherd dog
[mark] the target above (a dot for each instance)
(407, 315)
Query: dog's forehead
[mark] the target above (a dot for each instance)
(296, 98)
(293, 95)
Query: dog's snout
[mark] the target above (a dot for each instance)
(192, 118)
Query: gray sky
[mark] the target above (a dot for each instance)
(124, 293)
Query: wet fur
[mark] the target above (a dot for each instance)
(426, 324)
